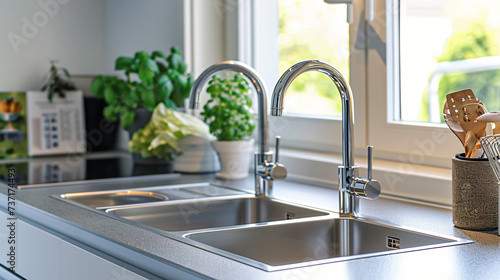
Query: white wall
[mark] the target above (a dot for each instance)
(70, 31)
(148, 25)
(84, 36)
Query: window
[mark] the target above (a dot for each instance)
(313, 30)
(410, 46)
(312, 112)
(447, 46)
(399, 69)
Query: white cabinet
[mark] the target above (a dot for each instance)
(47, 255)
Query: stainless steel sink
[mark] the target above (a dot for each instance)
(213, 213)
(254, 230)
(281, 246)
(114, 198)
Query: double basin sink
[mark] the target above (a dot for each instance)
(269, 234)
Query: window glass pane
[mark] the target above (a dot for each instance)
(313, 30)
(447, 46)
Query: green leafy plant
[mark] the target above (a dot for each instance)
(228, 112)
(57, 81)
(150, 80)
(159, 138)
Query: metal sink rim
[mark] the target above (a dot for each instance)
(63, 196)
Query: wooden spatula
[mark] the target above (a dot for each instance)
(473, 129)
(457, 99)
(454, 101)
(454, 126)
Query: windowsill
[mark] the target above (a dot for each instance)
(398, 180)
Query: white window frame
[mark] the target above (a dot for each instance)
(414, 143)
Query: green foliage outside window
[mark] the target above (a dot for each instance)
(308, 30)
(473, 42)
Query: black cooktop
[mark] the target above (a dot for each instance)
(77, 168)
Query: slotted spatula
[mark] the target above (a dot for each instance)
(454, 101)
(457, 99)
(473, 129)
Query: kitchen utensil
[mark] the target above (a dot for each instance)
(454, 126)
(468, 113)
(454, 101)
(491, 147)
(457, 99)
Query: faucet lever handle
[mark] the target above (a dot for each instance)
(277, 149)
(277, 170)
(369, 159)
(367, 188)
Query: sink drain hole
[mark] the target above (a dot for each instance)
(393, 242)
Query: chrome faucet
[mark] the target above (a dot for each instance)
(265, 170)
(350, 185)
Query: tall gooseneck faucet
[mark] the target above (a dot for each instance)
(350, 185)
(265, 171)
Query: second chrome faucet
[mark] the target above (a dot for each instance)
(350, 185)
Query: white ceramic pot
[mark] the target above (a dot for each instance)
(197, 156)
(235, 158)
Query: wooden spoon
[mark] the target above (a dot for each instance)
(473, 129)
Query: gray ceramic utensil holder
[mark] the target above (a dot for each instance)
(474, 194)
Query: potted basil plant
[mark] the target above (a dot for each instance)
(230, 119)
(150, 79)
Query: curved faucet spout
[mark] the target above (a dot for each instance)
(286, 79)
(254, 78)
(350, 185)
